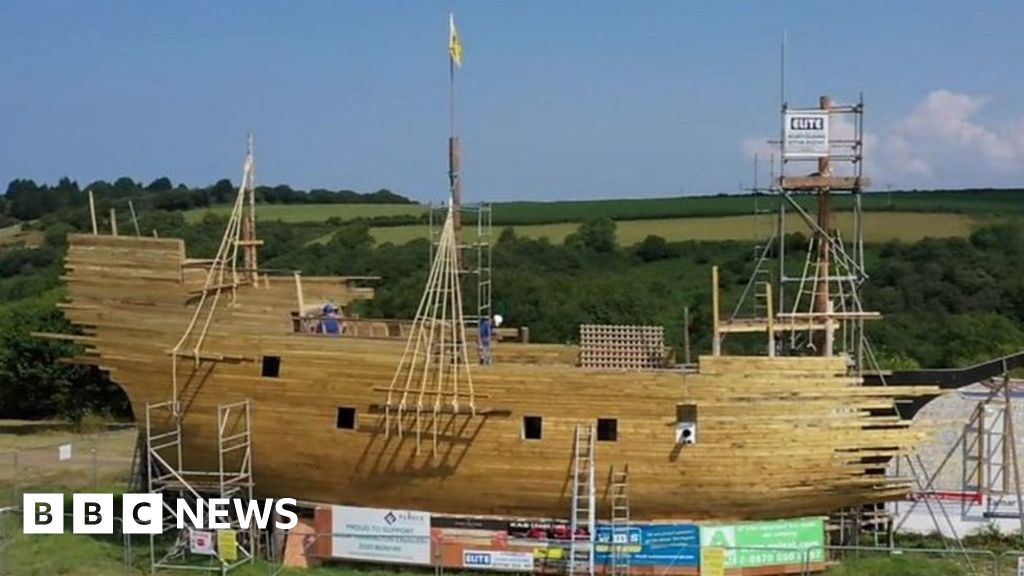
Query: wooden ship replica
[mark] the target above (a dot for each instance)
(234, 392)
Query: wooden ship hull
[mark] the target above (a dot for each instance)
(776, 437)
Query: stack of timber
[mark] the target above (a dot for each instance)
(623, 347)
(777, 437)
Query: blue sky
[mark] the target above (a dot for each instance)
(557, 100)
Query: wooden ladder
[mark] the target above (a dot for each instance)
(620, 522)
(581, 544)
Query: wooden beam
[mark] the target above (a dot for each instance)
(65, 337)
(716, 335)
(817, 182)
(92, 214)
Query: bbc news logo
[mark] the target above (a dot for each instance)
(143, 513)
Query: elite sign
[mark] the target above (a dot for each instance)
(805, 135)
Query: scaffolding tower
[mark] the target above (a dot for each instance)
(167, 475)
(818, 304)
(233, 267)
(474, 254)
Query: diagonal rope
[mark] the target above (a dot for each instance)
(227, 255)
(435, 360)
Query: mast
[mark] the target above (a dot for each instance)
(249, 242)
(825, 234)
(454, 146)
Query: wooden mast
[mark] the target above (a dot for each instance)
(249, 242)
(454, 145)
(825, 234)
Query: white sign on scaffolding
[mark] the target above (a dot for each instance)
(201, 542)
(805, 135)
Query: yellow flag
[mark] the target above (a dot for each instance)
(454, 45)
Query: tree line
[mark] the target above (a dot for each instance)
(26, 200)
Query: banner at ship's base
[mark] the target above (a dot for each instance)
(649, 544)
(380, 535)
(542, 546)
(770, 543)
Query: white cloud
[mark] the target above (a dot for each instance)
(944, 126)
(941, 142)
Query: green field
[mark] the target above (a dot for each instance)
(878, 227)
(314, 212)
(981, 203)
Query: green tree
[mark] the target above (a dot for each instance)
(653, 248)
(597, 235)
(34, 383)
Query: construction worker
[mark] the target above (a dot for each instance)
(484, 343)
(330, 322)
(487, 326)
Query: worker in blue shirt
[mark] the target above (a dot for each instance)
(330, 323)
(485, 341)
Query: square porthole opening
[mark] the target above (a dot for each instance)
(271, 366)
(607, 429)
(533, 427)
(346, 418)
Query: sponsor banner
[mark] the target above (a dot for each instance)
(712, 561)
(487, 550)
(469, 523)
(540, 529)
(970, 497)
(805, 135)
(498, 560)
(649, 544)
(783, 542)
(380, 535)
(201, 542)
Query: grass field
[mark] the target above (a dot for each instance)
(15, 236)
(981, 202)
(878, 227)
(315, 212)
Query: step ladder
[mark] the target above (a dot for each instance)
(581, 548)
(620, 522)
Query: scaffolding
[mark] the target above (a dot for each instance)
(167, 475)
(817, 298)
(474, 256)
(233, 266)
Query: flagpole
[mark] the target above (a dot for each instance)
(451, 96)
(454, 147)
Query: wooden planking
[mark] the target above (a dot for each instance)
(776, 436)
